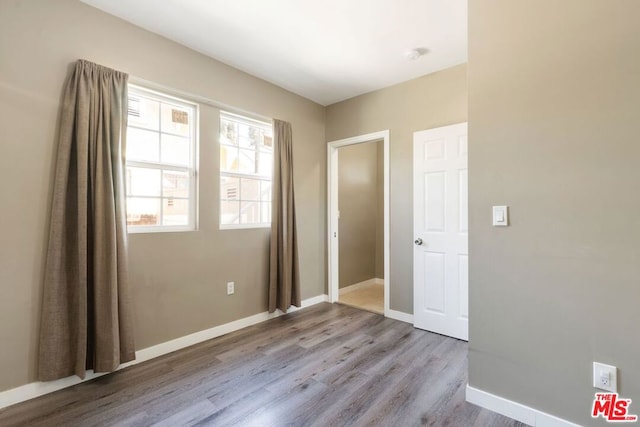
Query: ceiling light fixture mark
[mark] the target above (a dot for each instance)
(416, 53)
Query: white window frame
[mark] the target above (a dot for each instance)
(255, 123)
(191, 169)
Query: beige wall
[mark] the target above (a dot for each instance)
(554, 100)
(434, 100)
(178, 278)
(358, 193)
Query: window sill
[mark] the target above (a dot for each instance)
(148, 230)
(242, 226)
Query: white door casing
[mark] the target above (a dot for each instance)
(440, 225)
(332, 213)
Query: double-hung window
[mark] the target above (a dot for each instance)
(161, 159)
(246, 167)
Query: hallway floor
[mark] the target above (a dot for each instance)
(368, 297)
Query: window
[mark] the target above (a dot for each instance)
(160, 175)
(246, 166)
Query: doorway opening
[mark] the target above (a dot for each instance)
(358, 216)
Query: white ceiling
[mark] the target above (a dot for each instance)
(324, 50)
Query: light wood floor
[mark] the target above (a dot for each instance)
(327, 365)
(368, 297)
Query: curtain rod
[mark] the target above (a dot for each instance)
(197, 98)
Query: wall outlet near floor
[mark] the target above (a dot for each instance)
(605, 377)
(231, 288)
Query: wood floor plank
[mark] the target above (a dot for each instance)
(282, 411)
(191, 415)
(316, 366)
(328, 365)
(241, 408)
(289, 330)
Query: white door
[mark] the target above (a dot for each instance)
(440, 260)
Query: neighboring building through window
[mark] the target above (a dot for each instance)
(246, 167)
(161, 173)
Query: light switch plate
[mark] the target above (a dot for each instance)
(500, 216)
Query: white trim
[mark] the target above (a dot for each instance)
(141, 229)
(35, 389)
(311, 301)
(400, 315)
(243, 226)
(360, 285)
(332, 211)
(515, 410)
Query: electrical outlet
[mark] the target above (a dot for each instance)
(231, 288)
(605, 377)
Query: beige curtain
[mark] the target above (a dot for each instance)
(86, 319)
(284, 280)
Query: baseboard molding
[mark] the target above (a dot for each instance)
(399, 315)
(35, 389)
(515, 410)
(356, 286)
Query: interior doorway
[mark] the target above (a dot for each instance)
(360, 226)
(358, 221)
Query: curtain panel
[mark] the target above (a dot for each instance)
(284, 275)
(86, 318)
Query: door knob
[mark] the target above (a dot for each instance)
(418, 241)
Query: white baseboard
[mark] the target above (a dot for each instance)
(35, 389)
(515, 410)
(399, 315)
(356, 286)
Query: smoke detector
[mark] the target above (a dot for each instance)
(416, 53)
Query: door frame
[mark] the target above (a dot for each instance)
(332, 211)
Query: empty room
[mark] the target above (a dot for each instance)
(337, 213)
